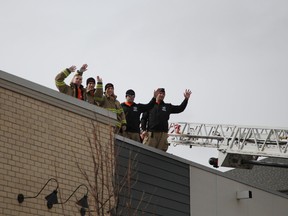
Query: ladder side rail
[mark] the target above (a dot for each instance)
(196, 131)
(203, 128)
(230, 138)
(271, 146)
(210, 133)
(273, 140)
(194, 143)
(171, 128)
(219, 131)
(284, 136)
(265, 141)
(218, 127)
(234, 137)
(285, 147)
(239, 137)
(220, 134)
(199, 131)
(246, 135)
(186, 127)
(234, 143)
(252, 152)
(192, 140)
(264, 135)
(277, 140)
(259, 137)
(258, 134)
(243, 139)
(264, 132)
(283, 144)
(250, 138)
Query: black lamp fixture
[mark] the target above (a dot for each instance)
(83, 202)
(51, 198)
(84, 210)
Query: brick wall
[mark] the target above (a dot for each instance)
(44, 135)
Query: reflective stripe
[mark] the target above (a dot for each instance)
(66, 72)
(100, 99)
(62, 83)
(112, 110)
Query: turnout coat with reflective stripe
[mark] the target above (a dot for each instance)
(68, 89)
(110, 103)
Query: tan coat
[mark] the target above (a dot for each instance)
(68, 89)
(110, 103)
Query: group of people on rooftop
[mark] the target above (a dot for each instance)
(150, 128)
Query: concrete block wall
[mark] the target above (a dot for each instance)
(45, 134)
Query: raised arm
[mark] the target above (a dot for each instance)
(59, 79)
(82, 69)
(187, 94)
(180, 108)
(150, 105)
(98, 96)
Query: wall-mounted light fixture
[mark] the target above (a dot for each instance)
(51, 198)
(84, 210)
(83, 202)
(244, 194)
(111, 212)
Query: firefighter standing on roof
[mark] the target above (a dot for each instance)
(108, 100)
(155, 122)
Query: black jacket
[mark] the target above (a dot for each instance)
(156, 120)
(133, 113)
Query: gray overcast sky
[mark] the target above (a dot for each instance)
(231, 54)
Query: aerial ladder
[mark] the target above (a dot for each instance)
(238, 146)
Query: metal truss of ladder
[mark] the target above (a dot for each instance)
(239, 141)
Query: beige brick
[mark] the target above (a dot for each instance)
(40, 141)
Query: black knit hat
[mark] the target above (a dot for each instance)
(161, 90)
(130, 92)
(109, 85)
(90, 79)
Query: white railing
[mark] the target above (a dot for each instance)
(258, 141)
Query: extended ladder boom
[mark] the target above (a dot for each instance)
(235, 143)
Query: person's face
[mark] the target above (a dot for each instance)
(160, 96)
(90, 86)
(77, 80)
(130, 98)
(110, 91)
